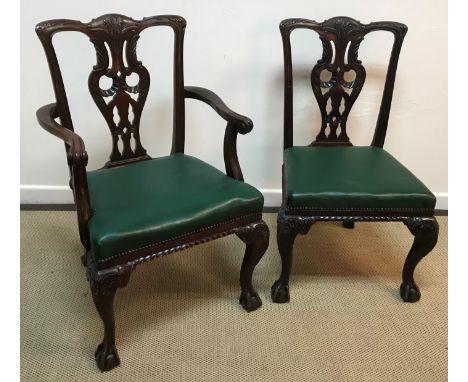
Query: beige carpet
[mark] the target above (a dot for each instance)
(178, 319)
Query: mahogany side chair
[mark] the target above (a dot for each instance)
(136, 208)
(332, 180)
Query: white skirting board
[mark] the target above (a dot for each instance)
(40, 194)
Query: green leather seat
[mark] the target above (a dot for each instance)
(149, 202)
(350, 178)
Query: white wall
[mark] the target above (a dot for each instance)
(234, 48)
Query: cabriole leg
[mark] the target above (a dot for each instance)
(103, 285)
(256, 237)
(425, 231)
(287, 230)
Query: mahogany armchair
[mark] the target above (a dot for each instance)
(136, 208)
(332, 180)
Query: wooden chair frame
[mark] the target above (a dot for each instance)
(115, 37)
(341, 38)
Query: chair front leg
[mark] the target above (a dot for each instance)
(425, 231)
(103, 285)
(287, 229)
(256, 237)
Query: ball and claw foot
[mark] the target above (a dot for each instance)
(106, 357)
(250, 301)
(280, 292)
(409, 292)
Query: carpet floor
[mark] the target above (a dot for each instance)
(178, 319)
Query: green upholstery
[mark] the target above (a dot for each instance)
(350, 178)
(149, 202)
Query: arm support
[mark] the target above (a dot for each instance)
(236, 123)
(77, 160)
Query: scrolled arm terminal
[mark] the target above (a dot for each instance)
(236, 123)
(243, 124)
(76, 154)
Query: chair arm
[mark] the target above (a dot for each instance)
(236, 123)
(76, 153)
(77, 160)
(242, 124)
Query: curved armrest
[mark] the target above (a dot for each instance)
(77, 160)
(243, 124)
(76, 154)
(236, 123)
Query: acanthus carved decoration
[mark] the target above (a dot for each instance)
(420, 224)
(105, 282)
(293, 225)
(254, 232)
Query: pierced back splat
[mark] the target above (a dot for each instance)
(113, 34)
(338, 77)
(340, 40)
(121, 103)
